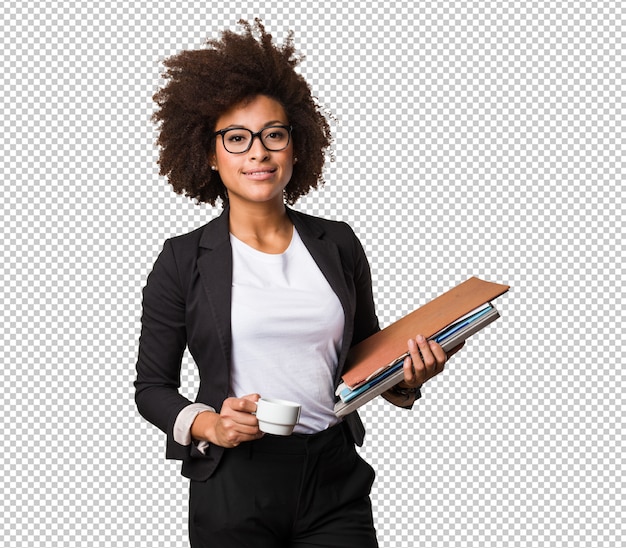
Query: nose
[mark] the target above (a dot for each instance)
(257, 149)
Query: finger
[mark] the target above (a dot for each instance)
(247, 404)
(239, 411)
(409, 372)
(252, 397)
(233, 433)
(438, 353)
(247, 431)
(415, 354)
(427, 354)
(417, 364)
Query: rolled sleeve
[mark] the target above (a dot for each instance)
(184, 420)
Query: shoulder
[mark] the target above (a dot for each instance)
(338, 231)
(187, 241)
(208, 235)
(337, 234)
(180, 253)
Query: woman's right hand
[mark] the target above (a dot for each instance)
(234, 424)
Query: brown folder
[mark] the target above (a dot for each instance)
(387, 345)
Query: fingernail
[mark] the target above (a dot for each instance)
(420, 338)
(411, 344)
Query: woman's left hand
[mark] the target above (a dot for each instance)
(426, 359)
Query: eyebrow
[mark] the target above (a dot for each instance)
(267, 124)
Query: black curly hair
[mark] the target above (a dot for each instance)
(203, 84)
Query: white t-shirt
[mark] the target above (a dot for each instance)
(287, 328)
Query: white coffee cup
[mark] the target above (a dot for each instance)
(277, 416)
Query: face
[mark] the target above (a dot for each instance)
(257, 176)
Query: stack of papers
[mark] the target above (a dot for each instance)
(449, 320)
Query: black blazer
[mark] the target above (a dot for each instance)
(187, 302)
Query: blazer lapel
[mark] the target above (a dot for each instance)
(215, 264)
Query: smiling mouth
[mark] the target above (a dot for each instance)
(260, 172)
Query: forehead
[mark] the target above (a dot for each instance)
(254, 114)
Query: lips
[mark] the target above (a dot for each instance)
(259, 172)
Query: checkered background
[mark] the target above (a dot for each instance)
(472, 138)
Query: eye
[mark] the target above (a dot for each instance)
(236, 137)
(276, 134)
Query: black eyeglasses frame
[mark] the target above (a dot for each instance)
(258, 134)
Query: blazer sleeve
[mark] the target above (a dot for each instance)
(365, 318)
(161, 345)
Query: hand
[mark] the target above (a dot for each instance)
(426, 359)
(233, 425)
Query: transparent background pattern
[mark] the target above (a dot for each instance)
(472, 138)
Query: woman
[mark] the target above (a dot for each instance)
(268, 301)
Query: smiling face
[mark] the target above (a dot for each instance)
(257, 176)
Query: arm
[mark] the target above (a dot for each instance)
(161, 345)
(365, 318)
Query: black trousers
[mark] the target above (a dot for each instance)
(286, 492)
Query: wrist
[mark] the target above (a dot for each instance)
(407, 393)
(204, 425)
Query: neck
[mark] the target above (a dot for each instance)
(263, 226)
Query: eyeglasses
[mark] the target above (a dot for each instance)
(239, 140)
